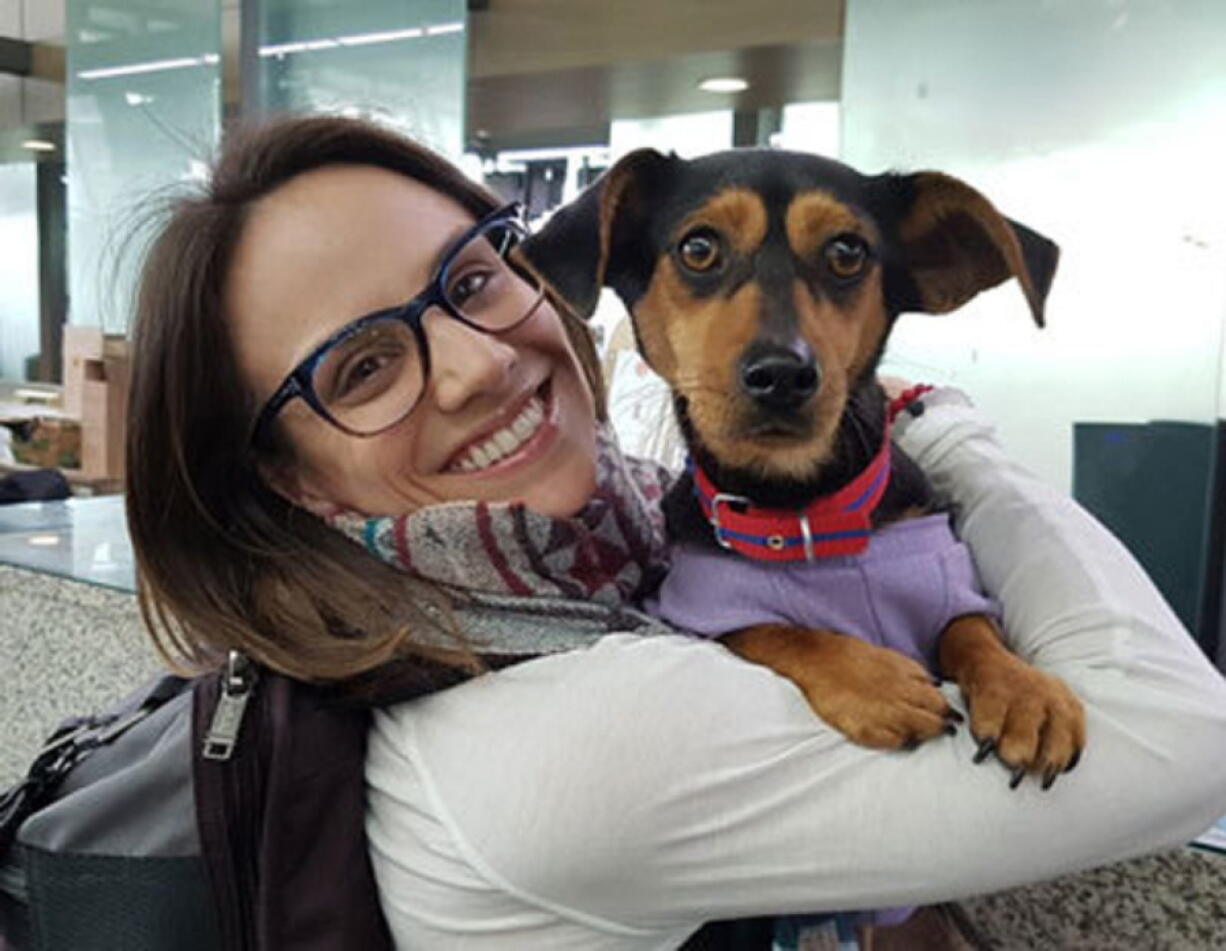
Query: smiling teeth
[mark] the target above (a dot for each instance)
(506, 441)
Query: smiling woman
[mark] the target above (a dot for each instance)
(311, 231)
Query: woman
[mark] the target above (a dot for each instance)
(288, 403)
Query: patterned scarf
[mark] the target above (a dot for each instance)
(612, 552)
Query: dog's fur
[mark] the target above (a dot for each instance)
(775, 279)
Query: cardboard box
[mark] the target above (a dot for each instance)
(86, 350)
(103, 420)
(96, 393)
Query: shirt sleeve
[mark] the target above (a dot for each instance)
(651, 782)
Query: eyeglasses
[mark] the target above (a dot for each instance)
(371, 373)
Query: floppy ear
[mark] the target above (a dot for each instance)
(599, 239)
(952, 243)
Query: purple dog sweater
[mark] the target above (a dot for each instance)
(912, 580)
(901, 592)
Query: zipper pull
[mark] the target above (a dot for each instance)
(236, 690)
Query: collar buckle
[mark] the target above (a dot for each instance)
(729, 499)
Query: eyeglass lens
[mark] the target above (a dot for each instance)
(373, 378)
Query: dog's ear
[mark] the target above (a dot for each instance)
(598, 239)
(952, 243)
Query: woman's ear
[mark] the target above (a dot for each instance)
(285, 480)
(950, 243)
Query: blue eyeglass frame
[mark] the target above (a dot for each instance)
(299, 382)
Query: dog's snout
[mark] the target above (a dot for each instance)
(780, 378)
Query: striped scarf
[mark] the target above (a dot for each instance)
(612, 552)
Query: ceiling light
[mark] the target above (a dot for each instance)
(38, 145)
(387, 36)
(723, 84)
(154, 66)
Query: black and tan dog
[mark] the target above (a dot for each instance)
(762, 287)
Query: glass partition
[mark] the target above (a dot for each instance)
(144, 114)
(399, 61)
(19, 270)
(1098, 124)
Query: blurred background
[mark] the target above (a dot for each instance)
(1098, 123)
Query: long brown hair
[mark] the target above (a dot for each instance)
(223, 562)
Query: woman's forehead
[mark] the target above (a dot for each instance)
(324, 248)
(354, 201)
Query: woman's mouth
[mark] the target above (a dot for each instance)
(515, 442)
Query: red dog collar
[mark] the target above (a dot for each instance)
(838, 524)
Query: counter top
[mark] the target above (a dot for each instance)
(83, 539)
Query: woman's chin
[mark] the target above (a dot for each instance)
(564, 491)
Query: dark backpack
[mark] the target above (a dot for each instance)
(225, 812)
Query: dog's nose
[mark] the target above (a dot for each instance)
(780, 378)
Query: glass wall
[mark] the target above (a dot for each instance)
(396, 61)
(19, 300)
(144, 115)
(1099, 124)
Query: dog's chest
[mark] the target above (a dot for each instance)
(900, 593)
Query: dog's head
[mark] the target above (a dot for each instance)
(763, 284)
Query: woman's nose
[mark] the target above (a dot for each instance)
(465, 362)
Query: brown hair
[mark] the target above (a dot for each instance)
(224, 562)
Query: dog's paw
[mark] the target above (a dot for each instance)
(874, 696)
(1031, 720)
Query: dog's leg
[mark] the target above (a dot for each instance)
(874, 696)
(1030, 719)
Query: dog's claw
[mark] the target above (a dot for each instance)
(1018, 775)
(1049, 777)
(950, 729)
(1072, 764)
(984, 751)
(955, 716)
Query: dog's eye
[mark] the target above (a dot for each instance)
(700, 250)
(846, 256)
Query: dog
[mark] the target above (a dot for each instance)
(762, 287)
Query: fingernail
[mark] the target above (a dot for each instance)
(1072, 764)
(984, 751)
(1018, 775)
(1049, 777)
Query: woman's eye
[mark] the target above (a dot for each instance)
(846, 256)
(468, 286)
(700, 251)
(361, 372)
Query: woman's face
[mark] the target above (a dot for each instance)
(343, 241)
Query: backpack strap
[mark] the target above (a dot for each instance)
(282, 817)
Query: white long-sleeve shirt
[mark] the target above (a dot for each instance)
(617, 797)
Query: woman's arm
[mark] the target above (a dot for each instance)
(650, 782)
